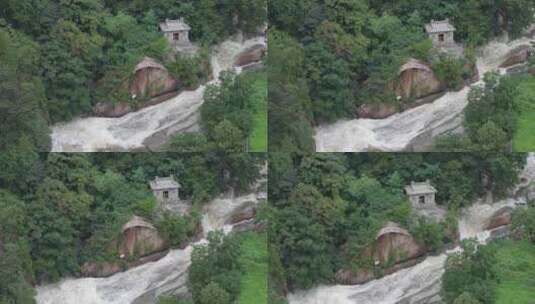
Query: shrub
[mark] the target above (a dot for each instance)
(213, 294)
(450, 70)
(191, 71)
(422, 49)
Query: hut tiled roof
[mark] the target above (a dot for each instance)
(391, 227)
(442, 26)
(420, 188)
(174, 25)
(160, 183)
(148, 62)
(137, 221)
(414, 64)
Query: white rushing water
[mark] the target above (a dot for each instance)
(179, 114)
(143, 284)
(399, 131)
(419, 284)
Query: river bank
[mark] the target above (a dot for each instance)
(420, 283)
(414, 129)
(150, 127)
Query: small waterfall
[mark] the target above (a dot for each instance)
(419, 284)
(178, 114)
(143, 284)
(402, 130)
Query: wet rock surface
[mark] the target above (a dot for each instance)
(520, 54)
(251, 55)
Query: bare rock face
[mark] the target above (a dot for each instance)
(394, 248)
(500, 218)
(348, 277)
(251, 55)
(109, 110)
(244, 213)
(100, 269)
(417, 80)
(140, 238)
(152, 79)
(395, 244)
(518, 55)
(376, 111)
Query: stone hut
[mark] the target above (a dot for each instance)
(165, 190)
(421, 195)
(140, 238)
(441, 33)
(176, 31)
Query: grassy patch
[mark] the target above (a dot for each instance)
(516, 272)
(254, 259)
(258, 137)
(524, 140)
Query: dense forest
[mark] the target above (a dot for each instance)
(58, 211)
(59, 58)
(326, 208)
(329, 57)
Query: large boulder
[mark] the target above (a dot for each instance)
(138, 243)
(394, 248)
(516, 56)
(243, 213)
(152, 79)
(151, 84)
(394, 244)
(251, 55)
(140, 238)
(500, 218)
(417, 80)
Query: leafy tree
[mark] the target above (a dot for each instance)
(466, 298)
(213, 294)
(449, 70)
(173, 300)
(290, 115)
(215, 264)
(23, 118)
(228, 137)
(524, 221)
(190, 71)
(226, 114)
(14, 289)
(68, 56)
(329, 82)
(188, 142)
(470, 271)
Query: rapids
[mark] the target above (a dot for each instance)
(143, 284)
(419, 284)
(412, 129)
(129, 132)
